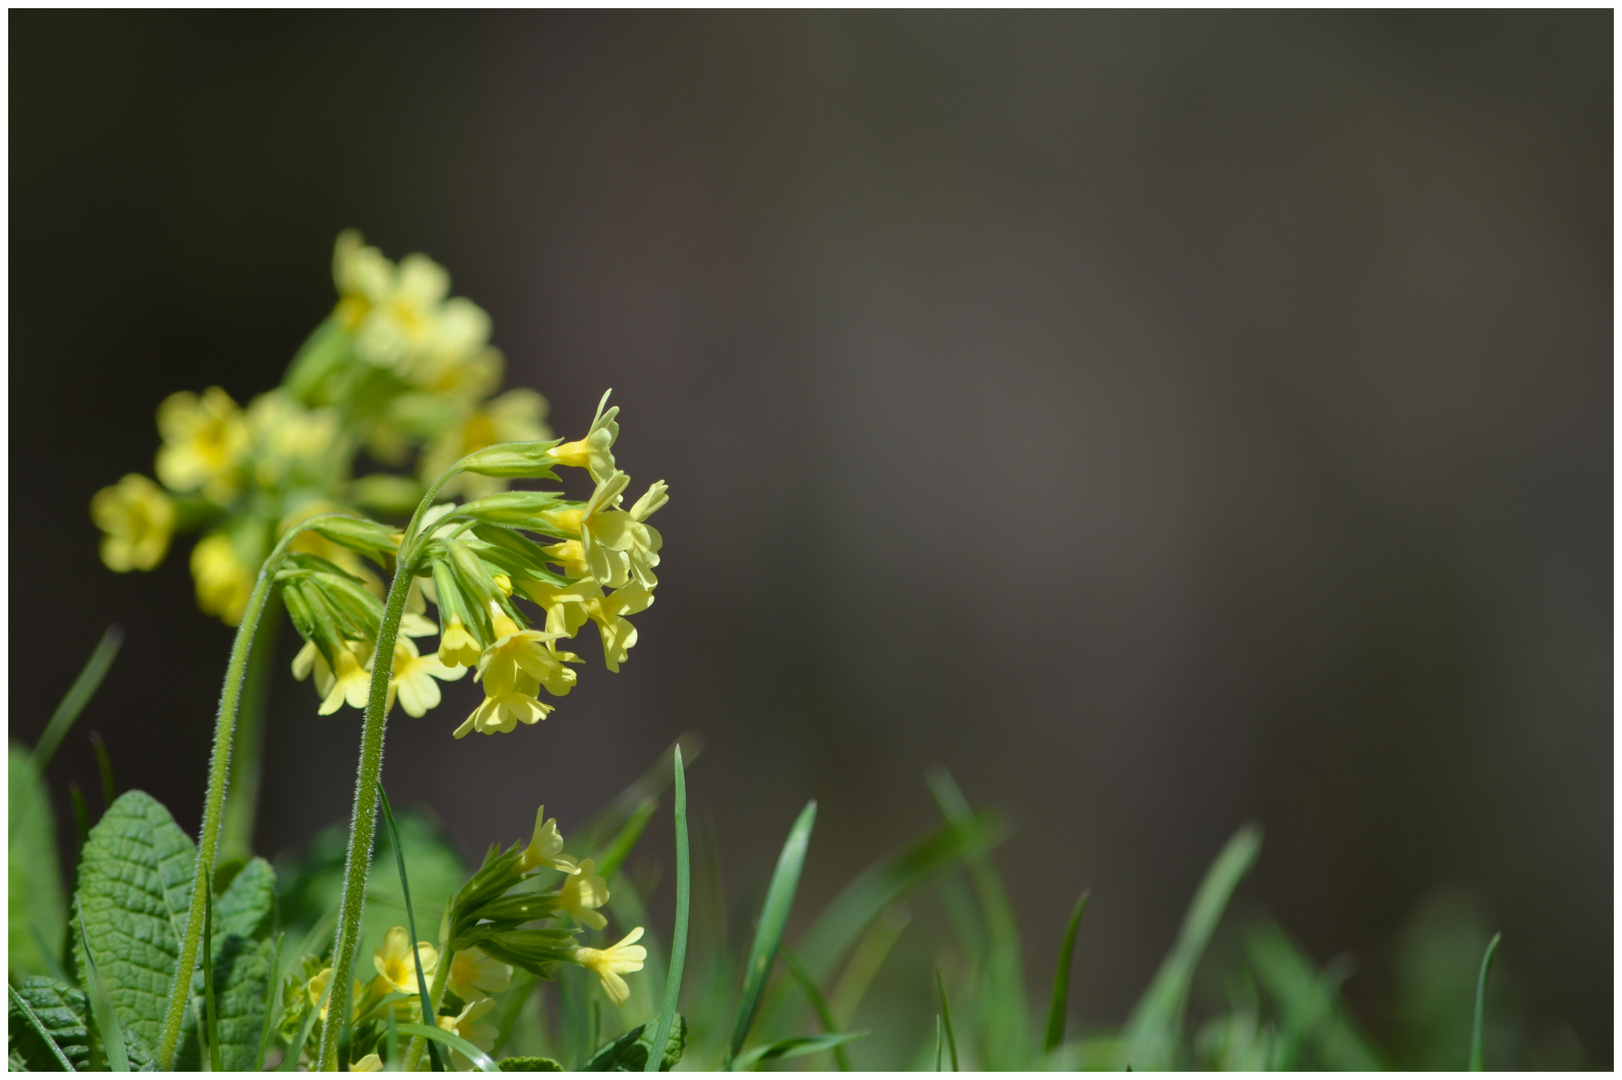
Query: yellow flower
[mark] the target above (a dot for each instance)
(505, 705)
(614, 961)
(472, 972)
(566, 608)
(363, 276)
(615, 545)
(546, 847)
(458, 647)
(582, 892)
(465, 1024)
(525, 652)
(609, 612)
(414, 677)
(350, 683)
(594, 453)
(224, 581)
(401, 315)
(290, 442)
(394, 963)
(369, 1063)
(204, 439)
(571, 557)
(137, 517)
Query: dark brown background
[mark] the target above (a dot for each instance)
(1164, 420)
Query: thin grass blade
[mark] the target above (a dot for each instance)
(481, 1060)
(101, 1007)
(819, 1004)
(1059, 1005)
(104, 765)
(411, 920)
(624, 841)
(773, 918)
(1478, 1031)
(78, 696)
(273, 993)
(39, 1029)
(865, 962)
(211, 1019)
(946, 1017)
(678, 942)
(799, 1046)
(1154, 1031)
(290, 1062)
(940, 1044)
(650, 785)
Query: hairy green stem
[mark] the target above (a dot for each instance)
(242, 794)
(213, 802)
(363, 819)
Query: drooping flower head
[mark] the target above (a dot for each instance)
(621, 958)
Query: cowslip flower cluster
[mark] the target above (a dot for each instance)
(482, 564)
(489, 931)
(399, 368)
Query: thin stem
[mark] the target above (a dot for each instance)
(436, 994)
(242, 800)
(213, 802)
(363, 820)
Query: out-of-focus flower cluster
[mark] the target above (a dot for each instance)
(488, 931)
(399, 369)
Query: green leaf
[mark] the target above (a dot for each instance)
(684, 888)
(383, 493)
(47, 1026)
(819, 1004)
(1292, 979)
(629, 1052)
(1477, 1057)
(244, 923)
(135, 880)
(34, 904)
(773, 919)
(357, 534)
(1059, 1005)
(109, 1032)
(798, 1046)
(612, 819)
(528, 1064)
(613, 856)
(512, 460)
(481, 1060)
(1154, 1031)
(411, 917)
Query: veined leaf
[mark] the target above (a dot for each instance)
(244, 921)
(528, 1064)
(59, 1012)
(34, 904)
(629, 1052)
(135, 881)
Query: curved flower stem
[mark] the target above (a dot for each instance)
(218, 767)
(363, 821)
(242, 793)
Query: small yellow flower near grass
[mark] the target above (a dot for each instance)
(204, 440)
(394, 964)
(465, 1024)
(473, 974)
(618, 959)
(594, 453)
(137, 518)
(582, 892)
(224, 581)
(369, 1063)
(351, 682)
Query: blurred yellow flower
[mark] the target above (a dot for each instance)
(516, 416)
(138, 518)
(473, 973)
(394, 963)
(614, 961)
(465, 1024)
(204, 440)
(369, 1063)
(224, 581)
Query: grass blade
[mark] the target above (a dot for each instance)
(1004, 1015)
(39, 1029)
(101, 1007)
(650, 785)
(865, 962)
(1058, 1009)
(799, 1046)
(78, 696)
(619, 848)
(1153, 1032)
(481, 1060)
(411, 921)
(290, 1062)
(273, 993)
(773, 918)
(1477, 1032)
(819, 1004)
(1292, 977)
(104, 765)
(678, 942)
(211, 1020)
(946, 1018)
(940, 1044)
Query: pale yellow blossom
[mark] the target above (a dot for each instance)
(394, 963)
(546, 847)
(204, 440)
(414, 677)
(137, 518)
(619, 959)
(465, 1024)
(582, 892)
(473, 974)
(224, 581)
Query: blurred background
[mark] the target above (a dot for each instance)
(1165, 421)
